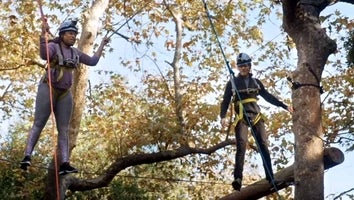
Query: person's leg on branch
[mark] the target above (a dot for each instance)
(63, 112)
(41, 115)
(241, 132)
(262, 140)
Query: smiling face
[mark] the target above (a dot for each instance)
(69, 38)
(244, 69)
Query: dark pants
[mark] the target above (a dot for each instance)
(241, 131)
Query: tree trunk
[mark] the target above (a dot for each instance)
(332, 157)
(177, 16)
(88, 36)
(301, 22)
(85, 44)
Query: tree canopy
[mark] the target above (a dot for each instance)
(156, 132)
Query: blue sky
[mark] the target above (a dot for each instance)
(340, 178)
(336, 179)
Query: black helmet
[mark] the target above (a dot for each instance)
(243, 58)
(68, 25)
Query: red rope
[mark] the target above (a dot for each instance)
(44, 20)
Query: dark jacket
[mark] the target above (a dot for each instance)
(254, 88)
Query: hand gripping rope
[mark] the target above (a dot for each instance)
(236, 92)
(44, 20)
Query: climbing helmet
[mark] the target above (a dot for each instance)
(243, 59)
(68, 25)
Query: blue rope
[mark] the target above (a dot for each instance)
(236, 92)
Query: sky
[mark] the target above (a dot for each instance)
(339, 178)
(336, 179)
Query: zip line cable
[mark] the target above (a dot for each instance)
(44, 20)
(85, 172)
(235, 91)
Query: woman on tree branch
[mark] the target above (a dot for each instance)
(63, 58)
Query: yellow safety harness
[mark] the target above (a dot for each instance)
(239, 115)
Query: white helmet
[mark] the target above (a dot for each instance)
(243, 58)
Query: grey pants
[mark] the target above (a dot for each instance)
(241, 131)
(62, 104)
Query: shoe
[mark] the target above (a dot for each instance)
(65, 168)
(26, 162)
(236, 184)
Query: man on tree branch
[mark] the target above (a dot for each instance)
(248, 114)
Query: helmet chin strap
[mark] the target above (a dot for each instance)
(66, 44)
(63, 41)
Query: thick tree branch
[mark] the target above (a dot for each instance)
(29, 62)
(103, 180)
(313, 45)
(331, 158)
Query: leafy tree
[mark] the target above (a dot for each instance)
(301, 21)
(168, 126)
(349, 46)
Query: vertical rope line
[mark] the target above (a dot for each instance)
(52, 118)
(51, 103)
(236, 92)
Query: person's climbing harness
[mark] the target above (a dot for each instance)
(59, 68)
(236, 93)
(239, 116)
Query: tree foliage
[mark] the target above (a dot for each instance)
(162, 132)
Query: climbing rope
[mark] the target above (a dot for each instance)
(44, 20)
(236, 92)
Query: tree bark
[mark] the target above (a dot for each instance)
(177, 16)
(332, 157)
(88, 36)
(301, 22)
